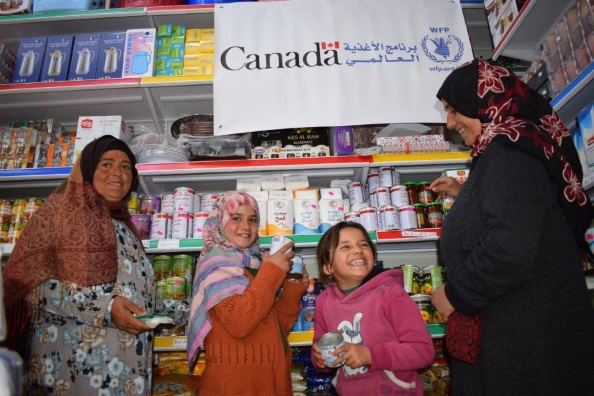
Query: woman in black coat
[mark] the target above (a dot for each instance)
(520, 320)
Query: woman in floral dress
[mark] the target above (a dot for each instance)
(85, 275)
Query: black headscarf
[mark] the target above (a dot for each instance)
(514, 114)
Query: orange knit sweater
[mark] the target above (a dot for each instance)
(245, 353)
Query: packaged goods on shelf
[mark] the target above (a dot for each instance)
(139, 53)
(568, 48)
(89, 128)
(7, 63)
(48, 6)
(29, 59)
(8, 7)
(110, 56)
(83, 64)
(500, 15)
(56, 60)
(14, 214)
(21, 140)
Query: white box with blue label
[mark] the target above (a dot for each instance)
(29, 60)
(139, 53)
(111, 55)
(56, 60)
(83, 62)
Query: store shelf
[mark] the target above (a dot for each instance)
(523, 38)
(575, 97)
(23, 183)
(296, 339)
(218, 176)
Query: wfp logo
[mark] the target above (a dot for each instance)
(440, 46)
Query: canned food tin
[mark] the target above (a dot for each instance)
(277, 242)
(197, 203)
(198, 224)
(368, 219)
(150, 204)
(142, 222)
(161, 292)
(328, 343)
(159, 226)
(162, 266)
(183, 200)
(410, 274)
(208, 201)
(399, 196)
(133, 203)
(167, 202)
(355, 191)
(386, 178)
(182, 224)
(424, 304)
(176, 288)
(182, 266)
(408, 217)
(383, 197)
(5, 211)
(296, 271)
(431, 279)
(351, 216)
(391, 220)
(373, 181)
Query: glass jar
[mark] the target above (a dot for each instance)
(434, 215)
(411, 190)
(424, 192)
(421, 215)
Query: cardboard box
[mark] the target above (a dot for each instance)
(586, 126)
(291, 137)
(56, 61)
(341, 140)
(89, 128)
(83, 62)
(29, 60)
(7, 55)
(111, 61)
(139, 53)
(290, 152)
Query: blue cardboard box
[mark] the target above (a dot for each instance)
(56, 60)
(111, 60)
(29, 60)
(83, 62)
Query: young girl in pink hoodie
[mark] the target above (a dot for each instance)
(386, 340)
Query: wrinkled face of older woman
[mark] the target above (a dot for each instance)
(468, 128)
(113, 175)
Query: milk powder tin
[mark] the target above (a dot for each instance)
(328, 343)
(351, 216)
(208, 201)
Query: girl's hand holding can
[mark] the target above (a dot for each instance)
(282, 257)
(320, 360)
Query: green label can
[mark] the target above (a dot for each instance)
(176, 288)
(162, 266)
(182, 266)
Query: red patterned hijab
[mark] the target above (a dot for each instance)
(514, 114)
(71, 237)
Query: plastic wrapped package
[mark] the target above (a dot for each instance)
(217, 147)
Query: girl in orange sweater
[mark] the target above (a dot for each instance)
(235, 311)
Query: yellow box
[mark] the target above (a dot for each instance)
(206, 46)
(192, 48)
(207, 34)
(204, 70)
(193, 35)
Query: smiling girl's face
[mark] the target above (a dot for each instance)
(352, 260)
(242, 227)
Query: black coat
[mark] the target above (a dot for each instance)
(510, 254)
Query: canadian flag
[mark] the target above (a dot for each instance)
(329, 45)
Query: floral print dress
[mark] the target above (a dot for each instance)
(75, 349)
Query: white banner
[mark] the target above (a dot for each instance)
(308, 63)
